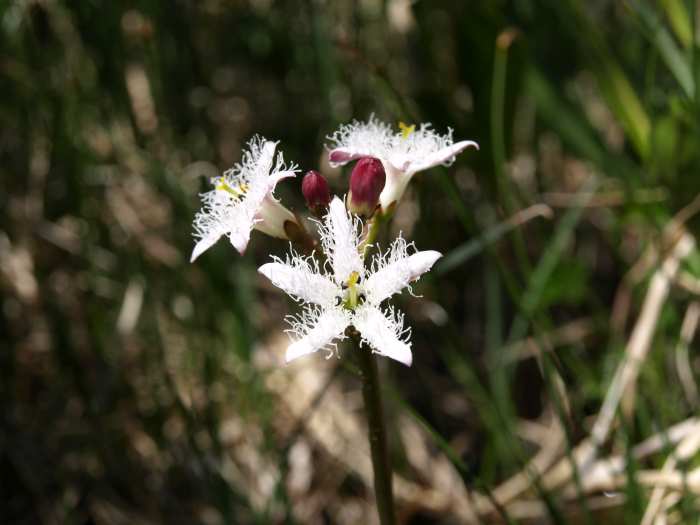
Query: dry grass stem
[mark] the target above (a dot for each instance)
(605, 200)
(683, 365)
(640, 340)
(567, 334)
(685, 450)
(627, 370)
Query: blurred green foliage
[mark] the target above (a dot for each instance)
(132, 384)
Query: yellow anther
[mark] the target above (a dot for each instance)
(236, 192)
(352, 280)
(406, 130)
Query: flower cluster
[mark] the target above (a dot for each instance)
(339, 291)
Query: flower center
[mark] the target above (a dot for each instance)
(352, 295)
(237, 191)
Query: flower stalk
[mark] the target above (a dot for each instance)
(377, 435)
(371, 395)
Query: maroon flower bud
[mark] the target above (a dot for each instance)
(366, 183)
(314, 187)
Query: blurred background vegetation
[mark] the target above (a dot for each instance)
(137, 388)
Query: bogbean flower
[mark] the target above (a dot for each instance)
(403, 153)
(242, 200)
(348, 294)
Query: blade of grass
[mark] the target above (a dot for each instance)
(498, 146)
(680, 22)
(451, 454)
(447, 185)
(696, 52)
(569, 124)
(498, 88)
(440, 441)
(473, 247)
(614, 84)
(500, 429)
(553, 381)
(674, 59)
(552, 254)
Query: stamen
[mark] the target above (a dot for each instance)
(354, 279)
(236, 192)
(351, 300)
(406, 130)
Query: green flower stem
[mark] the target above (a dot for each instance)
(371, 394)
(375, 224)
(377, 435)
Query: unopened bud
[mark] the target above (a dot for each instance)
(366, 183)
(315, 189)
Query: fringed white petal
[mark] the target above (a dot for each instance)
(395, 270)
(340, 241)
(316, 329)
(219, 215)
(204, 244)
(443, 156)
(267, 155)
(277, 176)
(301, 279)
(272, 216)
(360, 139)
(396, 182)
(418, 145)
(239, 238)
(384, 332)
(341, 156)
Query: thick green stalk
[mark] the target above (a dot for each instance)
(377, 436)
(371, 394)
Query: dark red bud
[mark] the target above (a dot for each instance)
(314, 186)
(366, 183)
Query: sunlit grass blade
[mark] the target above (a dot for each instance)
(677, 15)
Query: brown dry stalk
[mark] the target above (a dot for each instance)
(686, 449)
(628, 369)
(683, 366)
(638, 346)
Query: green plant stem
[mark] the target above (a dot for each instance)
(377, 436)
(374, 225)
(371, 393)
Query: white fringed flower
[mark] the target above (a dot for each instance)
(348, 293)
(403, 153)
(242, 199)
